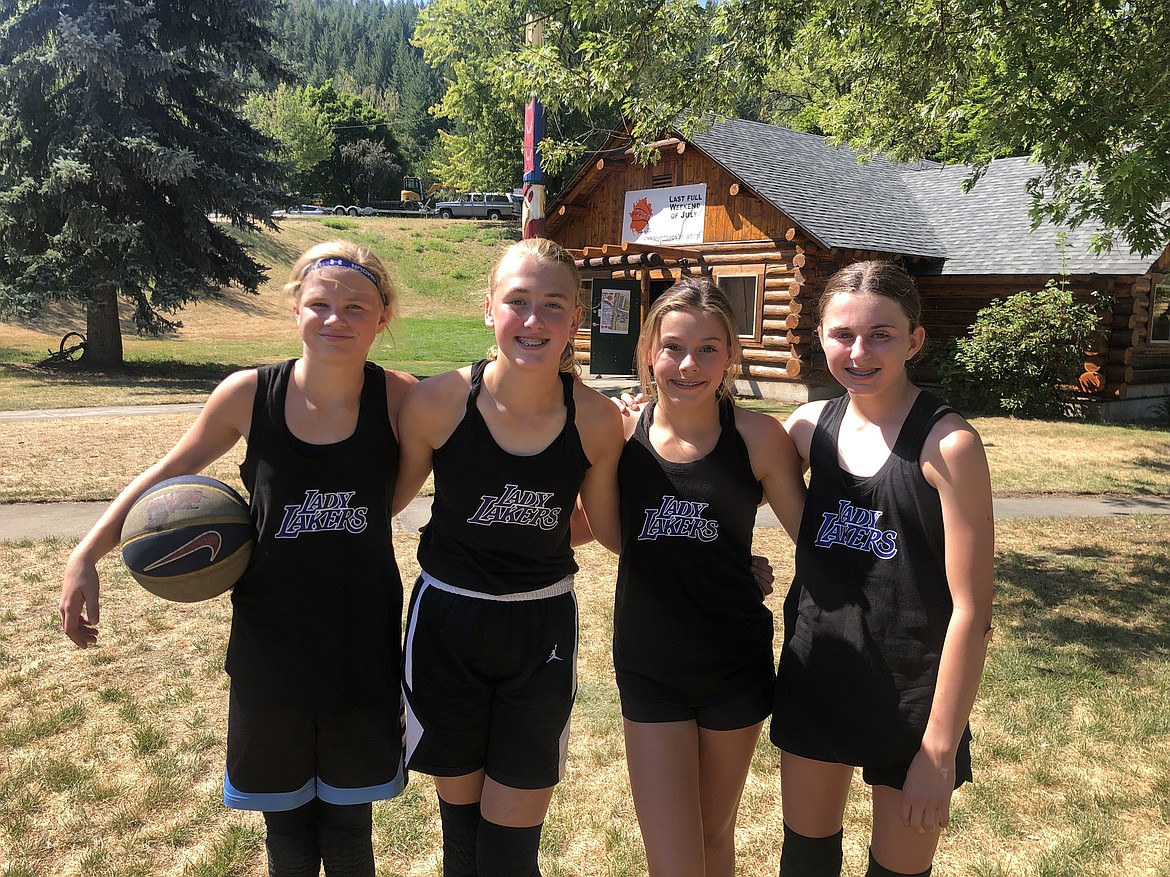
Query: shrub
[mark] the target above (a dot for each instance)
(1021, 353)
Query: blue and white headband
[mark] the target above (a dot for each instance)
(336, 262)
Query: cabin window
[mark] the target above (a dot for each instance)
(742, 285)
(1160, 314)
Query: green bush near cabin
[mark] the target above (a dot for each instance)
(1021, 354)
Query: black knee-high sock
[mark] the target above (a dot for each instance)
(460, 824)
(345, 837)
(292, 842)
(501, 851)
(810, 856)
(876, 870)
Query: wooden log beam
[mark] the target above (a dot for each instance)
(800, 321)
(1151, 359)
(670, 143)
(1119, 374)
(1091, 382)
(572, 210)
(777, 294)
(1151, 376)
(668, 254)
(777, 288)
(753, 258)
(765, 371)
(1130, 338)
(733, 189)
(609, 165)
(766, 356)
(601, 262)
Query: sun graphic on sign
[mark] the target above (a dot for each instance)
(640, 216)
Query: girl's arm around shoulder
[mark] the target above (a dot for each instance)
(776, 465)
(225, 418)
(800, 426)
(397, 386)
(600, 426)
(427, 415)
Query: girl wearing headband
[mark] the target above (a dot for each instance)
(314, 650)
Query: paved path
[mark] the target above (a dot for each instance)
(71, 520)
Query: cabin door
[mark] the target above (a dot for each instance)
(615, 319)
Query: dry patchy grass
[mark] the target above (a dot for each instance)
(1067, 458)
(113, 755)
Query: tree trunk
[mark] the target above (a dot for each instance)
(103, 332)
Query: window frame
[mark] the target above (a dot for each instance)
(756, 272)
(1159, 292)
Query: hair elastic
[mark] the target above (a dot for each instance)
(336, 262)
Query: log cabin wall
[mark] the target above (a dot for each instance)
(1135, 365)
(744, 235)
(950, 303)
(595, 212)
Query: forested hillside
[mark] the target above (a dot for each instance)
(364, 47)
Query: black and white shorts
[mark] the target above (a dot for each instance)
(280, 759)
(490, 682)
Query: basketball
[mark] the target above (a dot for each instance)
(188, 538)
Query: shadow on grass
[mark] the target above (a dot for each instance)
(1110, 606)
(169, 374)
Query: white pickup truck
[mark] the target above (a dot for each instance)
(482, 205)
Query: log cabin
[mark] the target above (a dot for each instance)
(771, 213)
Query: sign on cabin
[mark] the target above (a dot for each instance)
(671, 216)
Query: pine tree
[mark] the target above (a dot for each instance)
(119, 135)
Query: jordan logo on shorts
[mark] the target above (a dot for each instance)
(553, 656)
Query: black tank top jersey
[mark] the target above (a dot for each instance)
(867, 614)
(688, 613)
(500, 522)
(317, 621)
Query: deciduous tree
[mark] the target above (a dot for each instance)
(301, 129)
(1080, 85)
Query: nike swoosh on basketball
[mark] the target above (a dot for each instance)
(210, 540)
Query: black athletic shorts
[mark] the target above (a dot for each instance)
(281, 759)
(490, 682)
(742, 704)
(893, 775)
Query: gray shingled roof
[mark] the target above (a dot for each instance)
(823, 189)
(913, 210)
(988, 230)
